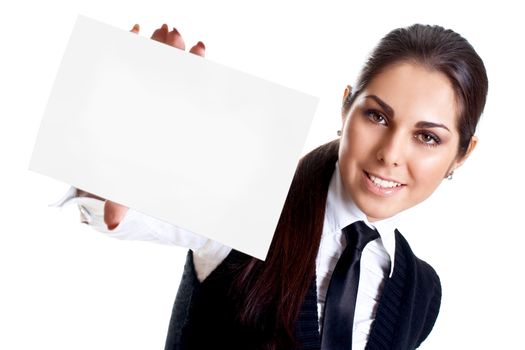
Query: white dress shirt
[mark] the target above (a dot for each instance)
(376, 260)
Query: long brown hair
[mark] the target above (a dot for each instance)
(270, 293)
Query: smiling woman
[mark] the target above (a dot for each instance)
(412, 118)
(400, 139)
(408, 124)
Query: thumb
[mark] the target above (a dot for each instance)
(113, 214)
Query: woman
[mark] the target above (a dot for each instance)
(409, 123)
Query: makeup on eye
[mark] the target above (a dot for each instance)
(389, 112)
(424, 137)
(385, 106)
(377, 111)
(376, 117)
(428, 138)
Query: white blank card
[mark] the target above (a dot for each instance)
(191, 142)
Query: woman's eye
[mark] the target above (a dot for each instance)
(428, 139)
(376, 117)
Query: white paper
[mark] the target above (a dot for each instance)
(173, 135)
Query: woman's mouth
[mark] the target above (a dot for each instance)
(379, 182)
(381, 186)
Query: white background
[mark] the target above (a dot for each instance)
(65, 286)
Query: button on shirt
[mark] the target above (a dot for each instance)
(377, 261)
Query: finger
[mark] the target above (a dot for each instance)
(113, 214)
(174, 39)
(161, 33)
(198, 49)
(135, 29)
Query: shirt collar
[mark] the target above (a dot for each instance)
(342, 211)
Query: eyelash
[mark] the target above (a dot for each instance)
(435, 140)
(373, 116)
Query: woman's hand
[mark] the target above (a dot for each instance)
(114, 212)
(172, 38)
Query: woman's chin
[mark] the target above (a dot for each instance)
(375, 210)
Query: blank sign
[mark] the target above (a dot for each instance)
(191, 142)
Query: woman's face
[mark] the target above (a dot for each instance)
(399, 140)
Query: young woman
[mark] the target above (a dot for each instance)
(408, 124)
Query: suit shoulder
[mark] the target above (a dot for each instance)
(423, 270)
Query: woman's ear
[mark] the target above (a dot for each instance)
(471, 146)
(347, 92)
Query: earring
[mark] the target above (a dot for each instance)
(449, 177)
(338, 132)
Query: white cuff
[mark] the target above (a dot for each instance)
(208, 254)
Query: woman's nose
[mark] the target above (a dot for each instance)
(392, 149)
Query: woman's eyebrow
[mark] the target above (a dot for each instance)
(389, 110)
(425, 125)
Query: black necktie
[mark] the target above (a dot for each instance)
(342, 291)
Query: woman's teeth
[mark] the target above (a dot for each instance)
(383, 183)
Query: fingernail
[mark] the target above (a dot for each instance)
(201, 44)
(164, 27)
(136, 27)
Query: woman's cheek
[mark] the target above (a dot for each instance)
(429, 170)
